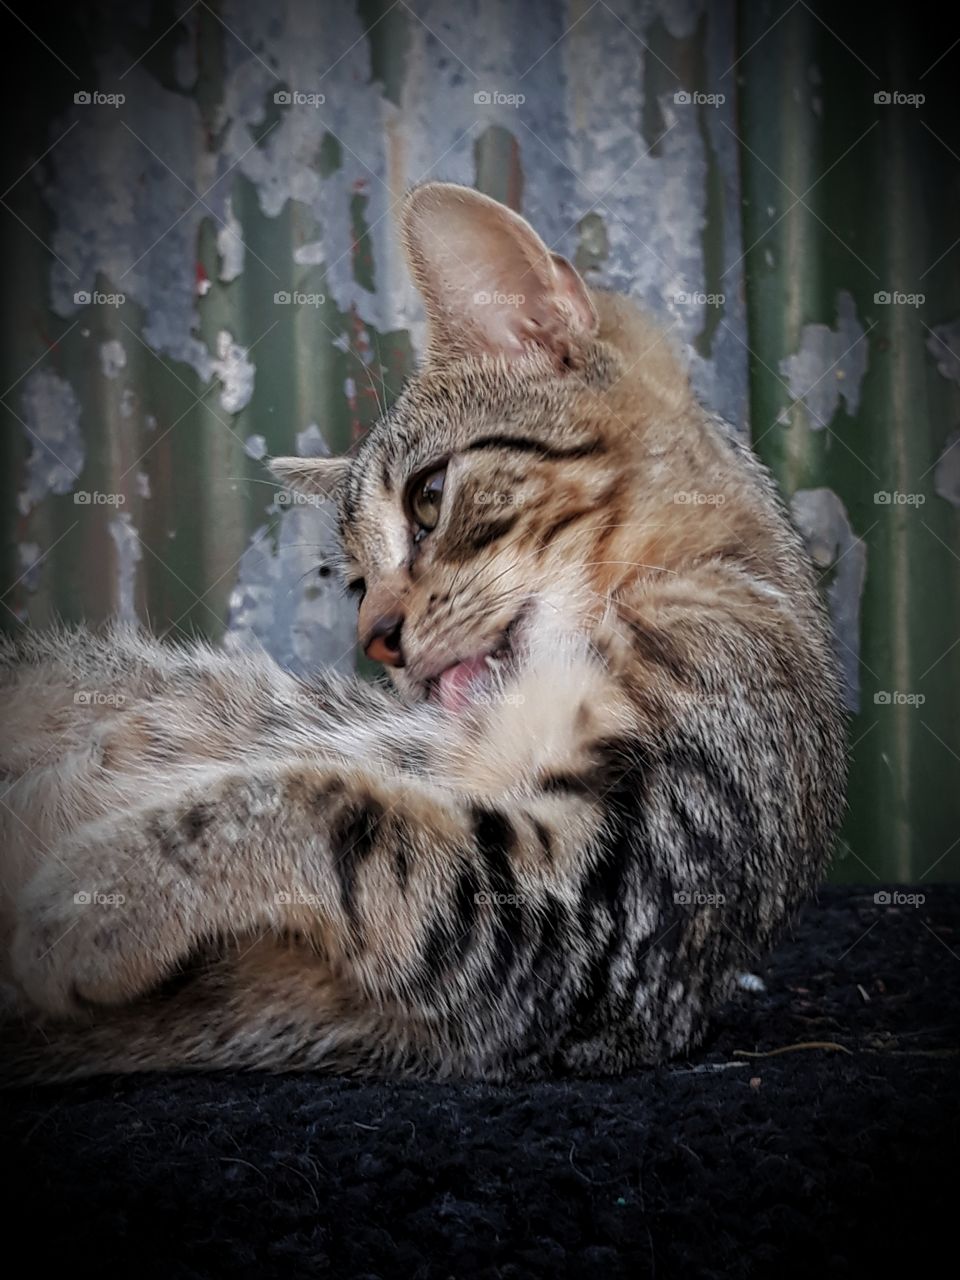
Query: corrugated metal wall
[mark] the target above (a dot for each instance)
(201, 270)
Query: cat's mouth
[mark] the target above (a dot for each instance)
(473, 680)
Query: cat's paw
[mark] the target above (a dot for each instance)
(77, 945)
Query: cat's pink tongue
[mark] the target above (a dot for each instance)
(456, 682)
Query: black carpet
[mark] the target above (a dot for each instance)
(838, 1160)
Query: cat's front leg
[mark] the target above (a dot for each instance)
(397, 880)
(121, 903)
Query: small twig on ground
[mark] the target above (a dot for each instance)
(793, 1048)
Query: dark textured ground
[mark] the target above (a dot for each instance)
(815, 1162)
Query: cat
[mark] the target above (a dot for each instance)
(611, 765)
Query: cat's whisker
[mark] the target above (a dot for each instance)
(635, 564)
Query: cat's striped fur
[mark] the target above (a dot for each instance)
(214, 864)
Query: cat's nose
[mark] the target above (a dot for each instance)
(383, 640)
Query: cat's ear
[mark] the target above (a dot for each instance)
(489, 283)
(315, 477)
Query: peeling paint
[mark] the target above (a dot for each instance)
(51, 418)
(829, 365)
(126, 540)
(311, 444)
(113, 358)
(653, 222)
(185, 59)
(946, 474)
(943, 342)
(230, 246)
(311, 254)
(235, 371)
(289, 601)
(30, 558)
(398, 107)
(138, 238)
(594, 247)
(680, 16)
(841, 556)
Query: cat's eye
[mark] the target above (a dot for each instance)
(424, 499)
(357, 588)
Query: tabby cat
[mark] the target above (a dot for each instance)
(611, 765)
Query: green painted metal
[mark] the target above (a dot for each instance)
(881, 204)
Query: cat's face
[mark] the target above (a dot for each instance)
(478, 511)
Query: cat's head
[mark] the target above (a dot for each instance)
(486, 505)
